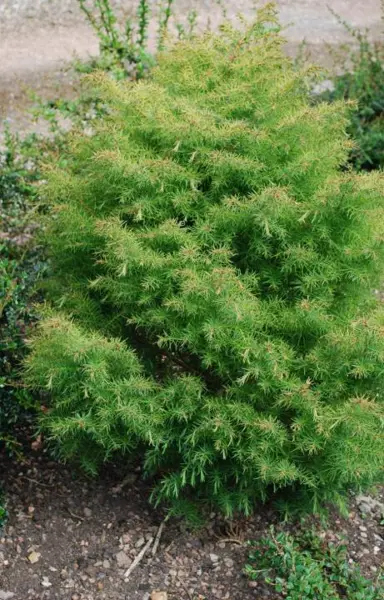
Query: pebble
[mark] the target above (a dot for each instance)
(367, 504)
(87, 512)
(159, 596)
(46, 583)
(125, 539)
(123, 560)
(214, 558)
(140, 542)
(6, 595)
(33, 557)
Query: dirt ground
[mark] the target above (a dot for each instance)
(72, 538)
(39, 37)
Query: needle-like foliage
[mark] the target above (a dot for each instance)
(212, 275)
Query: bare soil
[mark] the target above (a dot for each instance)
(72, 538)
(40, 37)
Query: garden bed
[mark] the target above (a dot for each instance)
(86, 533)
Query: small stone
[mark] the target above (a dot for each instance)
(159, 596)
(91, 570)
(34, 557)
(140, 542)
(362, 528)
(367, 504)
(106, 564)
(229, 562)
(6, 595)
(214, 558)
(46, 583)
(87, 512)
(123, 560)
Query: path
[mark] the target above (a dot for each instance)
(38, 37)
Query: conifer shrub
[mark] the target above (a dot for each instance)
(211, 309)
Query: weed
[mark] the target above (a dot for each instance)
(20, 265)
(362, 80)
(306, 566)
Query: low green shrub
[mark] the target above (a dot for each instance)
(211, 307)
(362, 80)
(3, 512)
(20, 264)
(308, 567)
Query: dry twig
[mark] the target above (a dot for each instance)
(138, 559)
(157, 538)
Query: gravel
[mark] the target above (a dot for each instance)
(84, 554)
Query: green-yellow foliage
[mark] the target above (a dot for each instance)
(212, 276)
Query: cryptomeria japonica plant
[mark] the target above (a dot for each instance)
(212, 274)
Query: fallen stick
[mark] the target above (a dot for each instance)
(75, 516)
(119, 487)
(231, 540)
(157, 539)
(186, 590)
(138, 558)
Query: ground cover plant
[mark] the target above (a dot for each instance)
(20, 264)
(210, 298)
(307, 566)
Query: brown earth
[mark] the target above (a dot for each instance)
(39, 37)
(73, 538)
